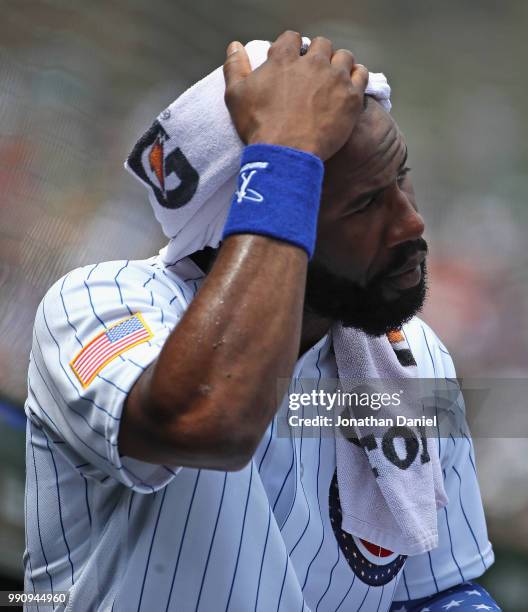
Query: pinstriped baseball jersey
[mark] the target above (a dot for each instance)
(121, 534)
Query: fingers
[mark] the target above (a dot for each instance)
(236, 66)
(287, 44)
(322, 46)
(343, 59)
(359, 77)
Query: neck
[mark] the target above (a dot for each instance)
(313, 329)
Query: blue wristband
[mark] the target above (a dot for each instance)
(278, 195)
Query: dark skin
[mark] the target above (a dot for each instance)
(368, 208)
(210, 395)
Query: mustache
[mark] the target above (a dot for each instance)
(402, 254)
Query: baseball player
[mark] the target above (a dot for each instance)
(156, 477)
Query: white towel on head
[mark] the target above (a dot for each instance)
(189, 160)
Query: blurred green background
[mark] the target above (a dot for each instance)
(80, 81)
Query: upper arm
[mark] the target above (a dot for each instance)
(84, 362)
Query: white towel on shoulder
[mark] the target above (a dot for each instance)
(397, 506)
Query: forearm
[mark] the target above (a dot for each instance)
(211, 393)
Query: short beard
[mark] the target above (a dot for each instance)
(365, 308)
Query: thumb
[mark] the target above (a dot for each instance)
(236, 66)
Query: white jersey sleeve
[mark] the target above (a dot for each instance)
(464, 551)
(126, 310)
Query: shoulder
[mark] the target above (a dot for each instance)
(95, 296)
(120, 280)
(107, 273)
(431, 355)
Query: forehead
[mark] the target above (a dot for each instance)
(374, 149)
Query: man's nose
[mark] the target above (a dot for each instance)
(405, 223)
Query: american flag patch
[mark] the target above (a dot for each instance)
(108, 345)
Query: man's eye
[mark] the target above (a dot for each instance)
(402, 174)
(364, 207)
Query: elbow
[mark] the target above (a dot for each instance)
(238, 452)
(228, 448)
(236, 434)
(202, 441)
(203, 431)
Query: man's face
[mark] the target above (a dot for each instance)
(368, 269)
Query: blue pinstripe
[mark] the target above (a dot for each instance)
(60, 508)
(305, 497)
(241, 537)
(119, 286)
(329, 579)
(211, 543)
(133, 363)
(432, 570)
(111, 382)
(381, 598)
(182, 538)
(394, 590)
(267, 445)
(469, 453)
(86, 498)
(195, 278)
(132, 493)
(182, 289)
(283, 582)
(465, 516)
(285, 479)
(94, 267)
(439, 439)
(66, 313)
(38, 513)
(364, 598)
(262, 557)
(27, 547)
(294, 450)
(405, 584)
(320, 513)
(295, 479)
(429, 350)
(317, 477)
(451, 542)
(304, 492)
(151, 277)
(150, 548)
(90, 299)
